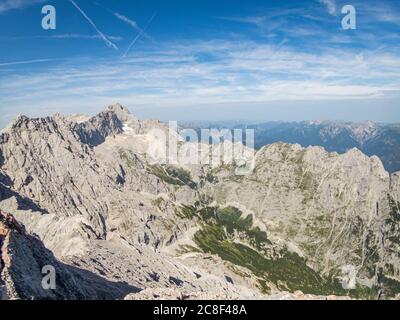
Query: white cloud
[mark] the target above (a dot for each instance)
(240, 72)
(7, 5)
(64, 36)
(382, 13)
(84, 36)
(14, 63)
(330, 5)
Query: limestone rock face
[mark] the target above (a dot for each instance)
(87, 190)
(330, 206)
(23, 257)
(298, 295)
(395, 185)
(174, 294)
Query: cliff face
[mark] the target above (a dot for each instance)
(304, 219)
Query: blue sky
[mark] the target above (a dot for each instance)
(202, 60)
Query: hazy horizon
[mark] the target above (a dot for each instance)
(165, 115)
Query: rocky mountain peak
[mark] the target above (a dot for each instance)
(119, 111)
(106, 123)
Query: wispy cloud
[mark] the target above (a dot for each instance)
(239, 72)
(330, 5)
(14, 63)
(256, 20)
(385, 12)
(266, 24)
(287, 22)
(63, 36)
(84, 36)
(108, 42)
(6, 5)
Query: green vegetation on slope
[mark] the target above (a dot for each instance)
(288, 272)
(172, 175)
(390, 286)
(227, 233)
(394, 210)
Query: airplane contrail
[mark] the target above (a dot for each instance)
(24, 62)
(132, 23)
(101, 34)
(125, 19)
(139, 35)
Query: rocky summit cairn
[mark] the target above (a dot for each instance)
(86, 200)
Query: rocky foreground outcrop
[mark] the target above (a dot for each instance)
(303, 220)
(175, 294)
(25, 263)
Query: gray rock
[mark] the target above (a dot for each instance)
(88, 190)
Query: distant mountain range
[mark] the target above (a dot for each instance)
(382, 140)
